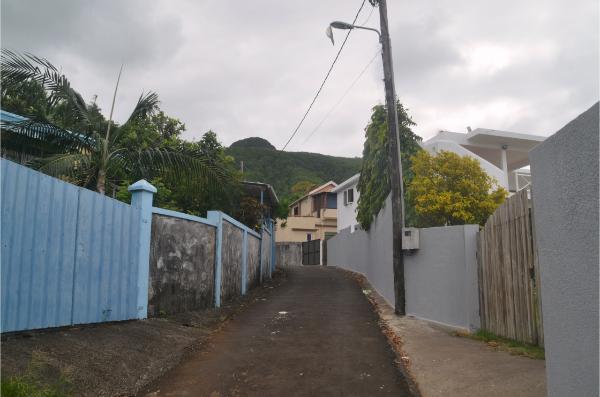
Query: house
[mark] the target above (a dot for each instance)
(264, 194)
(347, 200)
(502, 154)
(311, 217)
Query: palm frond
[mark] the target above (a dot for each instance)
(75, 166)
(146, 106)
(17, 68)
(42, 134)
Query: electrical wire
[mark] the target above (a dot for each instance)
(325, 79)
(342, 97)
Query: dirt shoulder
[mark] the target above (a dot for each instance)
(118, 359)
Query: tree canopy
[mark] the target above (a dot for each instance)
(374, 182)
(448, 189)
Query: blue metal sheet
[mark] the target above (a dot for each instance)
(38, 222)
(69, 255)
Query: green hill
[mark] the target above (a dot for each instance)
(284, 169)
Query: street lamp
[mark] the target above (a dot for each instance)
(346, 26)
(394, 156)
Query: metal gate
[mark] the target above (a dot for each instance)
(311, 252)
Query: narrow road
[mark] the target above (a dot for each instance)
(315, 335)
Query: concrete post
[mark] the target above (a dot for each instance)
(217, 217)
(245, 262)
(505, 165)
(142, 194)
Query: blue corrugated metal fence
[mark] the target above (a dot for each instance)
(69, 255)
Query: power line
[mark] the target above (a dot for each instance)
(343, 96)
(326, 77)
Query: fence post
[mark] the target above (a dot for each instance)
(244, 262)
(273, 252)
(142, 194)
(217, 217)
(260, 252)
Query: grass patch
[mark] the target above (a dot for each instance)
(509, 345)
(41, 379)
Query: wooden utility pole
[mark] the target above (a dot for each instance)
(394, 160)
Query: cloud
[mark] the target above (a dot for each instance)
(251, 68)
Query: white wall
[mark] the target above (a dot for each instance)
(346, 214)
(489, 168)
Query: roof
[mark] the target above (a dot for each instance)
(254, 189)
(320, 189)
(353, 180)
(488, 144)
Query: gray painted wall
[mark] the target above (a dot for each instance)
(565, 203)
(182, 263)
(440, 278)
(288, 254)
(266, 255)
(231, 261)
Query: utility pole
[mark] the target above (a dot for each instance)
(394, 160)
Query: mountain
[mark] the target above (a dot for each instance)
(262, 163)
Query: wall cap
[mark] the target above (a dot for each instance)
(143, 185)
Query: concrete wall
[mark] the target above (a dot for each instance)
(565, 203)
(440, 278)
(253, 262)
(231, 260)
(266, 255)
(182, 260)
(288, 254)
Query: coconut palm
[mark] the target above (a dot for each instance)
(92, 156)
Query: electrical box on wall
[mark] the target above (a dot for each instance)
(410, 238)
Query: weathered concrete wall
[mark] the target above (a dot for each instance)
(182, 257)
(266, 255)
(440, 278)
(288, 254)
(231, 261)
(253, 273)
(565, 203)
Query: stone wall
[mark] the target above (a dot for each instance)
(253, 262)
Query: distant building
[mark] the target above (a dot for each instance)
(311, 217)
(347, 199)
(502, 154)
(264, 194)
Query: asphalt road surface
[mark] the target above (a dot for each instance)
(314, 335)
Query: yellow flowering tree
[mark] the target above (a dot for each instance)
(448, 189)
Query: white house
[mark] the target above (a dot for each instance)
(347, 199)
(502, 154)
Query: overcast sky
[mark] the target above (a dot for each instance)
(250, 68)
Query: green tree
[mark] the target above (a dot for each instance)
(374, 182)
(96, 153)
(448, 189)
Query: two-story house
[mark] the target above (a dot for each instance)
(311, 217)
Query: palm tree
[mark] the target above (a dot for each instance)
(92, 156)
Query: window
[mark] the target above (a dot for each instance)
(348, 196)
(308, 236)
(296, 211)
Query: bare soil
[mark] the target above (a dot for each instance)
(119, 359)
